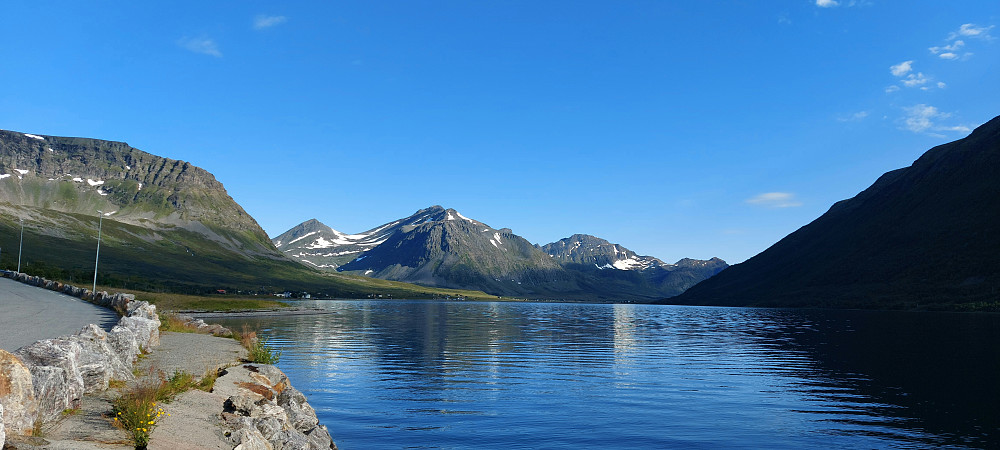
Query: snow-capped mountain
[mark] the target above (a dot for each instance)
(316, 244)
(441, 247)
(587, 249)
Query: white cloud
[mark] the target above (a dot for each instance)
(262, 21)
(926, 119)
(973, 31)
(774, 200)
(915, 79)
(891, 89)
(826, 3)
(902, 68)
(201, 45)
(941, 85)
(948, 55)
(919, 118)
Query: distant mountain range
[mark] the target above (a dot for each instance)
(441, 247)
(921, 237)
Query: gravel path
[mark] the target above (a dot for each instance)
(29, 314)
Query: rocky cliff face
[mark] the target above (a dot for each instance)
(920, 237)
(79, 175)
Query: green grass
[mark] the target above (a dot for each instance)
(258, 350)
(61, 246)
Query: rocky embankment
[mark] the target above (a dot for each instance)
(253, 406)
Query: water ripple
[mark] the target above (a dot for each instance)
(509, 375)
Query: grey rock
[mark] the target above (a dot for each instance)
(319, 438)
(301, 414)
(3, 434)
(141, 309)
(55, 374)
(56, 390)
(251, 439)
(147, 332)
(123, 341)
(290, 440)
(269, 427)
(273, 374)
(240, 404)
(18, 398)
(99, 361)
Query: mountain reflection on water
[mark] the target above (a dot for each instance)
(434, 374)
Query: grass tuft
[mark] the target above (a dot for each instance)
(258, 350)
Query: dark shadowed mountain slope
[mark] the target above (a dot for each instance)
(925, 236)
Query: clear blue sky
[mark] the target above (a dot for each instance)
(678, 129)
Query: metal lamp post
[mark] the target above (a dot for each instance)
(100, 222)
(20, 245)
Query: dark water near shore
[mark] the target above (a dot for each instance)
(427, 374)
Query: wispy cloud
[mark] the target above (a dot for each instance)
(902, 68)
(892, 89)
(915, 79)
(201, 45)
(971, 30)
(774, 200)
(920, 118)
(948, 51)
(956, 42)
(848, 3)
(262, 22)
(856, 117)
(926, 119)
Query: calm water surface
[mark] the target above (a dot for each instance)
(426, 374)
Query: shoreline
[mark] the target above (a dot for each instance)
(62, 388)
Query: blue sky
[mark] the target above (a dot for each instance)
(678, 129)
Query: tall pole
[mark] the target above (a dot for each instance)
(100, 221)
(19, 246)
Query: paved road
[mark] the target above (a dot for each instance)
(28, 314)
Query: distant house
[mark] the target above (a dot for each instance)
(220, 291)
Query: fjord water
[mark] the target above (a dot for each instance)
(429, 374)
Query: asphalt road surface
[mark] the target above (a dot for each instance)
(29, 314)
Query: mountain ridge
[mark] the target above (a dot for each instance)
(919, 237)
(441, 247)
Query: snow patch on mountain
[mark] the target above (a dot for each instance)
(302, 237)
(626, 264)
